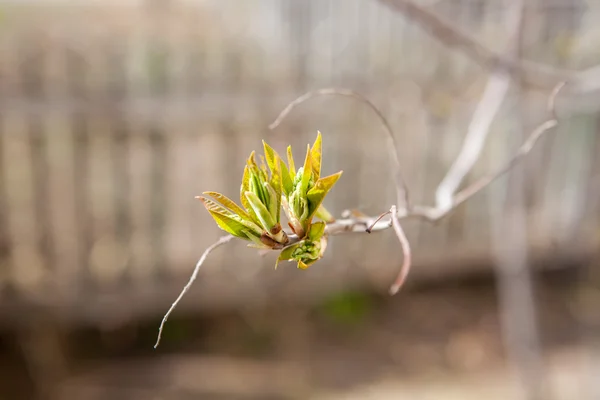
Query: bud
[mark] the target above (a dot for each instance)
(307, 251)
(305, 190)
(260, 195)
(270, 186)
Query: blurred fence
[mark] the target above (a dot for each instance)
(113, 117)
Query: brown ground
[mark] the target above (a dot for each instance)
(436, 341)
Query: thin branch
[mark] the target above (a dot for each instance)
(477, 133)
(218, 243)
(370, 228)
(401, 188)
(525, 149)
(407, 255)
(359, 225)
(534, 74)
(487, 109)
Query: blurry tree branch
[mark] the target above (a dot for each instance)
(407, 252)
(485, 112)
(531, 73)
(477, 133)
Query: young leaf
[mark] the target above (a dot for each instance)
(274, 202)
(318, 192)
(316, 153)
(324, 215)
(291, 165)
(228, 221)
(261, 211)
(260, 170)
(271, 156)
(286, 254)
(287, 182)
(273, 160)
(316, 230)
(306, 171)
(263, 165)
(257, 188)
(228, 203)
(243, 189)
(276, 182)
(252, 159)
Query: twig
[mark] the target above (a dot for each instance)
(370, 228)
(401, 189)
(361, 224)
(525, 148)
(533, 74)
(406, 262)
(477, 133)
(480, 125)
(220, 242)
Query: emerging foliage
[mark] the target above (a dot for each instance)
(270, 186)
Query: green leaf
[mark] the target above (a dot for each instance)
(255, 171)
(243, 189)
(275, 163)
(316, 231)
(261, 211)
(271, 156)
(256, 187)
(230, 204)
(252, 159)
(287, 182)
(316, 154)
(263, 166)
(306, 171)
(228, 221)
(286, 253)
(318, 192)
(291, 165)
(274, 202)
(324, 215)
(229, 225)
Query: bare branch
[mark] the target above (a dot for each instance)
(477, 133)
(533, 74)
(525, 148)
(480, 126)
(406, 262)
(218, 243)
(401, 189)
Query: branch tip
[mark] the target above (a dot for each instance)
(209, 249)
(370, 228)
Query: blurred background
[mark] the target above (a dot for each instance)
(114, 115)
